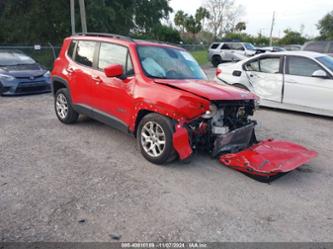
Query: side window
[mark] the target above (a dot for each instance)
(129, 66)
(237, 46)
(85, 53)
(270, 65)
(226, 47)
(114, 54)
(215, 45)
(71, 49)
(252, 66)
(301, 66)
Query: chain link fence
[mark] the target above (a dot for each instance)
(46, 54)
(43, 54)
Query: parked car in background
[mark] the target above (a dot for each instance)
(293, 47)
(20, 74)
(325, 47)
(273, 49)
(301, 81)
(220, 52)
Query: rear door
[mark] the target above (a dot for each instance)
(226, 52)
(266, 78)
(81, 72)
(302, 89)
(237, 51)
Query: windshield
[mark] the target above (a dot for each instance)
(326, 61)
(249, 46)
(13, 58)
(169, 63)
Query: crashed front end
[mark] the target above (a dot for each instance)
(227, 132)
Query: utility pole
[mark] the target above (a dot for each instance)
(73, 16)
(272, 28)
(83, 16)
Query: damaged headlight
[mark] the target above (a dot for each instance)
(211, 112)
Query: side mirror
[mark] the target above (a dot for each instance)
(115, 70)
(320, 74)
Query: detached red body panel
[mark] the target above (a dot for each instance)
(181, 142)
(269, 158)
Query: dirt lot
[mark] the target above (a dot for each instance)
(88, 182)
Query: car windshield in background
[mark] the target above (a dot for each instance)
(249, 46)
(327, 61)
(169, 63)
(13, 58)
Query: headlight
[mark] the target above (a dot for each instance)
(47, 74)
(6, 77)
(211, 112)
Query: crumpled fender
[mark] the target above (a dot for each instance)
(181, 142)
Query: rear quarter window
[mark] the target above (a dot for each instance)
(215, 45)
(71, 49)
(84, 54)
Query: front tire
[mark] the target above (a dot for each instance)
(155, 139)
(63, 107)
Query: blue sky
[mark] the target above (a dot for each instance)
(258, 14)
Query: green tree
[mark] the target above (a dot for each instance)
(41, 21)
(241, 26)
(180, 20)
(292, 37)
(148, 14)
(201, 15)
(193, 26)
(325, 27)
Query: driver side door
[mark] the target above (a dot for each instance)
(113, 97)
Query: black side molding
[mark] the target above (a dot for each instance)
(102, 117)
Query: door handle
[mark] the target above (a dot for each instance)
(97, 79)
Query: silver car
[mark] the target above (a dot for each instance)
(324, 47)
(220, 52)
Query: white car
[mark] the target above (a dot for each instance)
(298, 80)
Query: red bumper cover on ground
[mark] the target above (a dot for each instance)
(269, 158)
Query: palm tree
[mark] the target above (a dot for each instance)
(201, 15)
(180, 20)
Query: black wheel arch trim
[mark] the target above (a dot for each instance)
(61, 80)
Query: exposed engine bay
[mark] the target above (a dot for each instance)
(227, 132)
(226, 128)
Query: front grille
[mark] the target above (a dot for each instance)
(28, 87)
(29, 78)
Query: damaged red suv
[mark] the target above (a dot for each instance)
(159, 93)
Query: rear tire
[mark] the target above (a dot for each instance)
(216, 60)
(63, 107)
(155, 139)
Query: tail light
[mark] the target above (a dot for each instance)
(218, 71)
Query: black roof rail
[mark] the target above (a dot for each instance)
(115, 36)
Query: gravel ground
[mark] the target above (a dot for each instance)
(88, 182)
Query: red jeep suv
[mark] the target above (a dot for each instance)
(156, 92)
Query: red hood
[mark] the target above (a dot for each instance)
(209, 89)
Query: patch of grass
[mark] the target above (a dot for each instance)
(201, 56)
